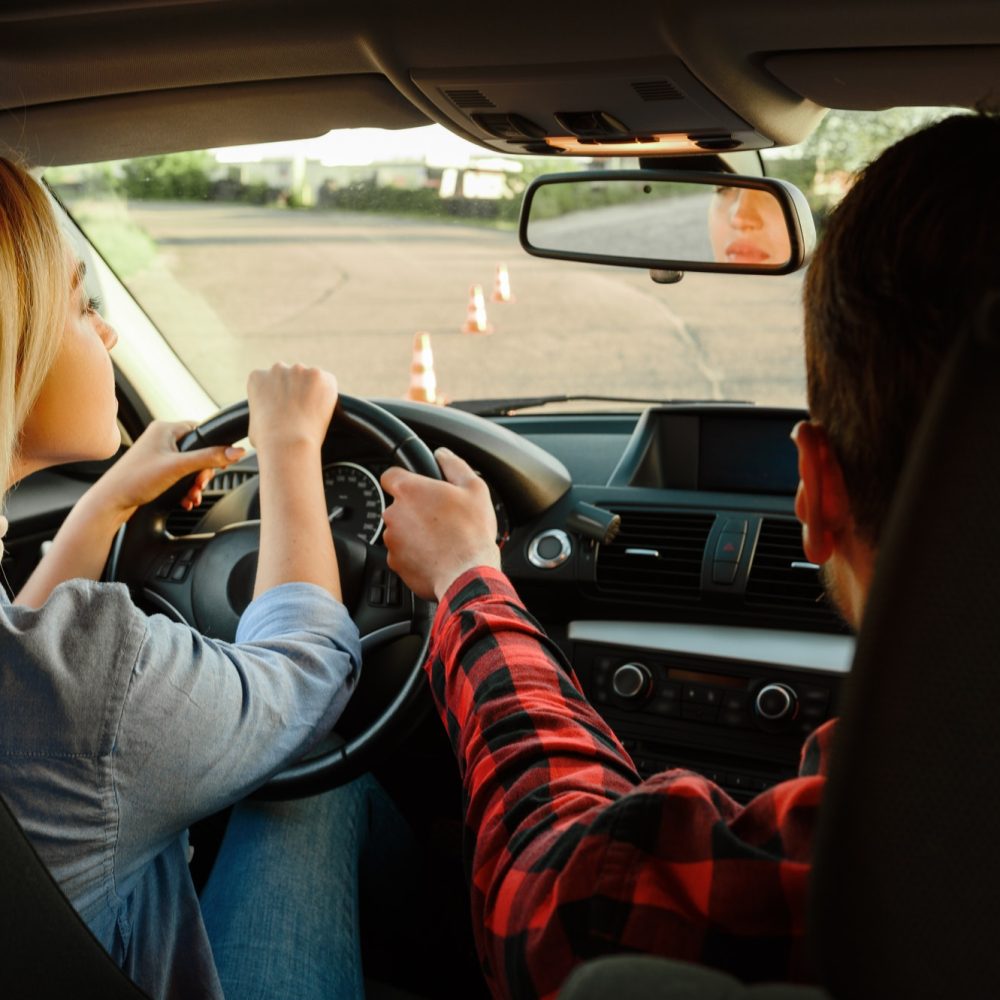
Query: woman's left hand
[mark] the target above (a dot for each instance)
(153, 464)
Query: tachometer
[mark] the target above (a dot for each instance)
(354, 500)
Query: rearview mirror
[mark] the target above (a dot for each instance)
(669, 220)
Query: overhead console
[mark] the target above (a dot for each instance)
(638, 107)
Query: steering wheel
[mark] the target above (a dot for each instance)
(206, 580)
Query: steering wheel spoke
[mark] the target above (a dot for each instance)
(162, 576)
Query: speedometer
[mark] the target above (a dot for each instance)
(354, 500)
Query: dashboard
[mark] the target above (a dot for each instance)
(700, 631)
(660, 550)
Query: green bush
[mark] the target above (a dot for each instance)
(174, 176)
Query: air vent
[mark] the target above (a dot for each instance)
(656, 558)
(782, 584)
(657, 90)
(229, 479)
(182, 522)
(469, 99)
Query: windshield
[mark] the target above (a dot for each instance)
(338, 251)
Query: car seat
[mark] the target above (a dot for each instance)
(46, 950)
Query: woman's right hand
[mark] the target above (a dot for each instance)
(290, 405)
(290, 411)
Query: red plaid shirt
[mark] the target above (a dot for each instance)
(572, 854)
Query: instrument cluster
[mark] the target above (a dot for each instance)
(356, 503)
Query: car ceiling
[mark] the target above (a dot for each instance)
(86, 80)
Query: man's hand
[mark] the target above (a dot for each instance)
(152, 465)
(435, 531)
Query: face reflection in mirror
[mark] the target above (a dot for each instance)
(746, 226)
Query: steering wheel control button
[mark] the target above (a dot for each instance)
(632, 682)
(549, 549)
(165, 567)
(776, 703)
(384, 590)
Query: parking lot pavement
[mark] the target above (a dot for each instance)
(348, 291)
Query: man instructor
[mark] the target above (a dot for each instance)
(572, 854)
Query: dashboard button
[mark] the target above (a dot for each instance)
(665, 706)
(729, 547)
(700, 713)
(776, 703)
(724, 572)
(549, 549)
(632, 682)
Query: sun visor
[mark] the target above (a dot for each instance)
(872, 79)
(167, 121)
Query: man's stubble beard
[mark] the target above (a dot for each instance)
(834, 592)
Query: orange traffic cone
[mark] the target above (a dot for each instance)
(501, 287)
(475, 318)
(423, 383)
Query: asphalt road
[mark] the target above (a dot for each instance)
(238, 287)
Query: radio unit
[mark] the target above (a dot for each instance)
(741, 724)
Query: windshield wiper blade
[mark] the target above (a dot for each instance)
(504, 407)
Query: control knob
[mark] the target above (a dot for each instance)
(776, 703)
(632, 682)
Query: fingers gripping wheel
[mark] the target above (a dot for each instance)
(206, 581)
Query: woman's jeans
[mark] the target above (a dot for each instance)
(282, 903)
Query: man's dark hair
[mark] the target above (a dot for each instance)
(906, 258)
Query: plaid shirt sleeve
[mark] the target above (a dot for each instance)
(572, 855)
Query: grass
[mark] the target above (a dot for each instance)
(126, 247)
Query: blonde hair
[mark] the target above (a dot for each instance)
(34, 298)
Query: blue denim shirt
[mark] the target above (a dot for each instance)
(118, 730)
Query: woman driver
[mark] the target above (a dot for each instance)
(119, 730)
(747, 226)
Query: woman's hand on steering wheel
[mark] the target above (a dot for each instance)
(152, 465)
(289, 405)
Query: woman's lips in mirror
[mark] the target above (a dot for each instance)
(745, 252)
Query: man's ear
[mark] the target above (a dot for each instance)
(821, 500)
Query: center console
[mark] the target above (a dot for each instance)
(734, 704)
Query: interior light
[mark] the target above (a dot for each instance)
(671, 142)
